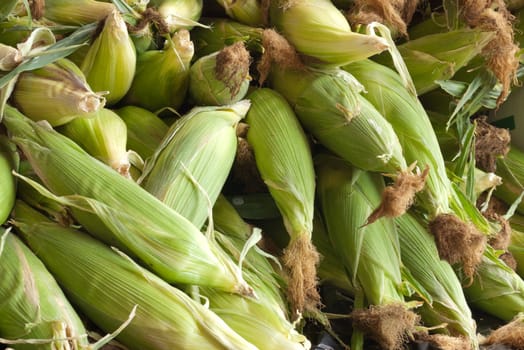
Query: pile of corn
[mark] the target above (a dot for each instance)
(259, 174)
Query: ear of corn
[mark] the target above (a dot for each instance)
(447, 303)
(250, 12)
(179, 14)
(179, 171)
(283, 158)
(509, 168)
(428, 60)
(117, 209)
(107, 287)
(9, 160)
(67, 11)
(371, 253)
(57, 92)
(162, 76)
(223, 32)
(220, 78)
(110, 62)
(332, 109)
(411, 124)
(145, 130)
(34, 312)
(320, 31)
(104, 136)
(496, 289)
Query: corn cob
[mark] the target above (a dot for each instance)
(179, 173)
(107, 287)
(445, 301)
(110, 62)
(283, 158)
(220, 78)
(9, 160)
(104, 136)
(370, 253)
(178, 14)
(119, 211)
(162, 76)
(145, 130)
(35, 312)
(318, 30)
(57, 92)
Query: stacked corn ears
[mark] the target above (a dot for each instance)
(183, 174)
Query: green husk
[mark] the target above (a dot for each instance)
(9, 160)
(145, 130)
(370, 253)
(103, 136)
(510, 169)
(223, 32)
(178, 14)
(67, 11)
(250, 12)
(220, 78)
(330, 270)
(35, 313)
(318, 30)
(6, 7)
(283, 158)
(162, 76)
(332, 109)
(57, 93)
(496, 288)
(192, 163)
(119, 211)
(108, 287)
(386, 92)
(445, 302)
(110, 62)
(439, 56)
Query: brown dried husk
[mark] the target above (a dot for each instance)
(389, 325)
(445, 342)
(37, 8)
(398, 197)
(501, 52)
(458, 242)
(301, 258)
(511, 334)
(395, 14)
(278, 51)
(490, 143)
(149, 16)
